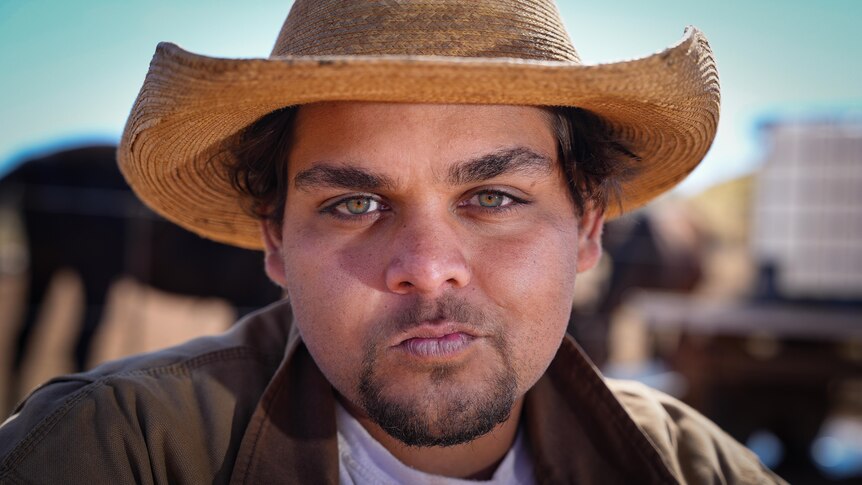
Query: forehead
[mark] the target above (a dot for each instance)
(398, 137)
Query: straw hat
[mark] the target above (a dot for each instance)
(418, 51)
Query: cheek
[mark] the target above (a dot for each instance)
(532, 280)
(323, 297)
(531, 270)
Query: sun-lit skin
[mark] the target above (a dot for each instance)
(352, 259)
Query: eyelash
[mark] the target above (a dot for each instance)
(333, 208)
(514, 203)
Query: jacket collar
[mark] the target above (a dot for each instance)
(577, 429)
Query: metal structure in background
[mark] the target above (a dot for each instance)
(807, 231)
(777, 368)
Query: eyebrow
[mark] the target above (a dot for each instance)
(341, 177)
(512, 160)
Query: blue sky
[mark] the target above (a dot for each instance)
(69, 71)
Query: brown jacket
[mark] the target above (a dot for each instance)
(251, 406)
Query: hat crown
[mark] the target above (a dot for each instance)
(525, 29)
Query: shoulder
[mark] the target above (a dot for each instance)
(693, 446)
(192, 400)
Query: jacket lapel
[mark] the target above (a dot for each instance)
(580, 433)
(292, 434)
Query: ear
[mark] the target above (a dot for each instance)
(273, 260)
(590, 238)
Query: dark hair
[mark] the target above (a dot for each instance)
(594, 160)
(259, 169)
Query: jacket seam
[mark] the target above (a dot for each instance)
(13, 479)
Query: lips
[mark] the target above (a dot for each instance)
(445, 345)
(435, 339)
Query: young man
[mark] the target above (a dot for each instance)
(426, 180)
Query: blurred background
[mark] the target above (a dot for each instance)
(740, 292)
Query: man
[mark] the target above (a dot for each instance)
(426, 209)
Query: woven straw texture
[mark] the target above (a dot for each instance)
(416, 51)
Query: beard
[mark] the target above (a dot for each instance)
(445, 414)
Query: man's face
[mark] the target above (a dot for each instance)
(429, 253)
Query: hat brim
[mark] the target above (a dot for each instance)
(664, 105)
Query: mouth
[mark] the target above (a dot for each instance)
(436, 340)
(449, 344)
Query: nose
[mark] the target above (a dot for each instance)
(427, 258)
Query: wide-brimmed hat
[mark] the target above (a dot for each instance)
(515, 52)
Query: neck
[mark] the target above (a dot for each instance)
(475, 460)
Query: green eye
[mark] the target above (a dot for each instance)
(353, 207)
(358, 206)
(491, 199)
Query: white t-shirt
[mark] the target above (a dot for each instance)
(362, 460)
